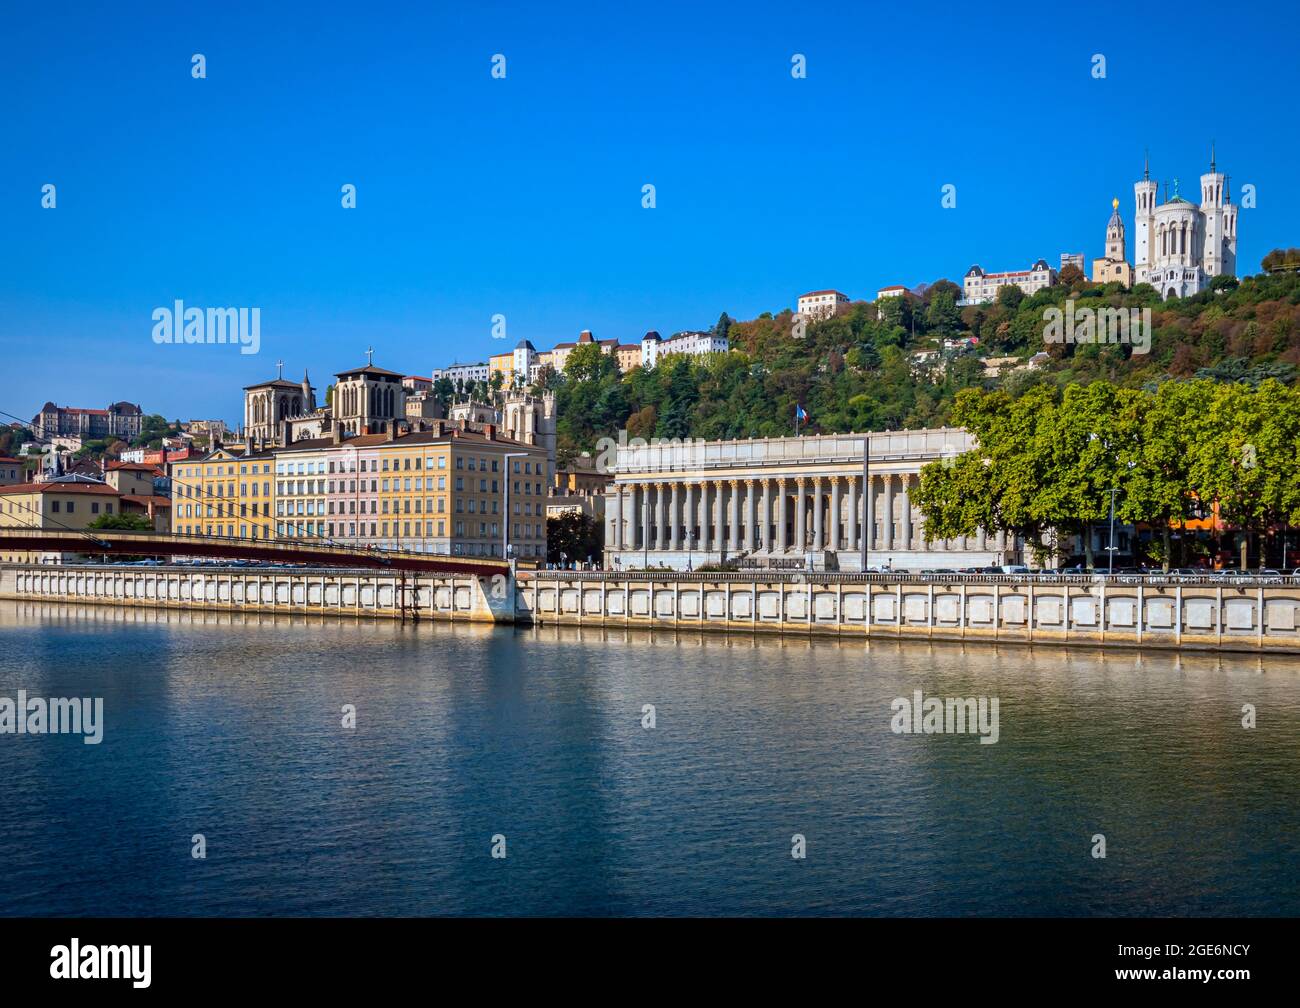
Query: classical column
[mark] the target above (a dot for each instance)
(672, 517)
(819, 541)
(703, 515)
(905, 513)
(887, 525)
(981, 539)
(835, 514)
(735, 515)
(781, 544)
(617, 537)
(869, 513)
(1000, 543)
(749, 516)
(853, 513)
(765, 540)
(719, 518)
(800, 517)
(688, 516)
(661, 516)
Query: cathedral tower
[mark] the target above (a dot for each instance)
(1113, 267)
(1144, 193)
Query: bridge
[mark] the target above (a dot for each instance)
(121, 542)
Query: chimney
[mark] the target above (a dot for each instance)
(490, 431)
(392, 431)
(336, 433)
(248, 445)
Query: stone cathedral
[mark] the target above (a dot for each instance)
(1181, 246)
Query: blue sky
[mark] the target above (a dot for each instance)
(522, 196)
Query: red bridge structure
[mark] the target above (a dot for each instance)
(117, 542)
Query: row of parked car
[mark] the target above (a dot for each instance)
(1261, 575)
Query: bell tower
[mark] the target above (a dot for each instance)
(1144, 193)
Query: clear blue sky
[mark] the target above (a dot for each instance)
(522, 196)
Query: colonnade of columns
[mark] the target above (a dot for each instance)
(773, 515)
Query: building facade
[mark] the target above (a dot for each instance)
(269, 405)
(980, 287)
(122, 420)
(228, 492)
(1182, 246)
(55, 505)
(463, 374)
(820, 304)
(785, 503)
(445, 490)
(1114, 267)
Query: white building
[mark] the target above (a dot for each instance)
(1181, 246)
(463, 372)
(893, 290)
(654, 348)
(784, 503)
(821, 304)
(981, 287)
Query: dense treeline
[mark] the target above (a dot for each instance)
(857, 370)
(1047, 461)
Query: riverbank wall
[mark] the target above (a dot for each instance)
(1189, 613)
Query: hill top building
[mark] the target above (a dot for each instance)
(1181, 246)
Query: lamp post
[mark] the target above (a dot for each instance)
(866, 489)
(690, 549)
(505, 525)
(1110, 550)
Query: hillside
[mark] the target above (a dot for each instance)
(903, 365)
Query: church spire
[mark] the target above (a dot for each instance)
(1212, 157)
(1146, 165)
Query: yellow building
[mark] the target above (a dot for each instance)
(55, 506)
(504, 365)
(224, 493)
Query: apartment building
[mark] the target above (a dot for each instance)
(450, 489)
(228, 492)
(57, 505)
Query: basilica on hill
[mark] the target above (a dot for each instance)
(1181, 246)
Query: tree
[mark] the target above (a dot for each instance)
(574, 536)
(942, 317)
(122, 522)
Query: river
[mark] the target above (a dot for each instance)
(231, 727)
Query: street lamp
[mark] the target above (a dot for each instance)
(690, 549)
(1110, 550)
(505, 525)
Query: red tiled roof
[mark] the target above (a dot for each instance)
(814, 293)
(114, 466)
(145, 501)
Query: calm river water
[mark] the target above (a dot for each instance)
(230, 727)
